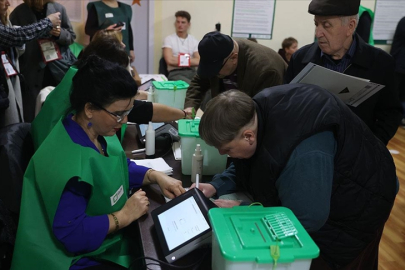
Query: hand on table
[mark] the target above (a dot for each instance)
(170, 187)
(226, 203)
(207, 189)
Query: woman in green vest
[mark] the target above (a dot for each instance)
(106, 14)
(75, 206)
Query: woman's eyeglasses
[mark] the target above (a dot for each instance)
(119, 117)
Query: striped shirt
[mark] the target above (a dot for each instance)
(14, 37)
(342, 64)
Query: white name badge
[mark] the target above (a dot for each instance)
(117, 195)
(8, 67)
(109, 15)
(124, 26)
(50, 50)
(183, 60)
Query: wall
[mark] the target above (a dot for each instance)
(291, 19)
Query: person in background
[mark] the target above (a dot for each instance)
(14, 113)
(107, 47)
(37, 74)
(18, 36)
(178, 44)
(301, 147)
(398, 52)
(106, 14)
(365, 26)
(288, 47)
(227, 63)
(340, 49)
(132, 69)
(81, 209)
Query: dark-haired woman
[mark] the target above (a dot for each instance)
(75, 203)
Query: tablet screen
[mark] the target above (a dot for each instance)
(182, 222)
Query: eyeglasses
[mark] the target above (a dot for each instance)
(119, 117)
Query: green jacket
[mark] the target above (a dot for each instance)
(57, 161)
(364, 9)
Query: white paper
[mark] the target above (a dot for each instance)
(387, 15)
(253, 18)
(351, 90)
(158, 164)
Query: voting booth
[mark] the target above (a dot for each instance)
(170, 93)
(213, 162)
(254, 237)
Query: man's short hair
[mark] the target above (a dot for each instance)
(288, 42)
(225, 116)
(184, 14)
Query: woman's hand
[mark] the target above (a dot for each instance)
(136, 206)
(170, 187)
(207, 189)
(226, 203)
(55, 31)
(114, 28)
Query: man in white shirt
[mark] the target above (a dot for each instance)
(180, 50)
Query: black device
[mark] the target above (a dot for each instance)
(161, 130)
(218, 27)
(182, 224)
(119, 24)
(145, 86)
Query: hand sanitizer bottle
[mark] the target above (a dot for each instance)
(151, 95)
(196, 163)
(150, 141)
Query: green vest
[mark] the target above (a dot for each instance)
(53, 165)
(121, 14)
(54, 109)
(364, 9)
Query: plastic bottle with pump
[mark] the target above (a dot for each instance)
(197, 163)
(150, 141)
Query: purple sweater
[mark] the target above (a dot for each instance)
(78, 232)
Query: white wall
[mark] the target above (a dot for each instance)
(291, 19)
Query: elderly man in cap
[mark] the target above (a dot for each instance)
(338, 48)
(227, 63)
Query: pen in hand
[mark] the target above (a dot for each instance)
(197, 180)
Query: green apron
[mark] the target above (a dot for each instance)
(52, 166)
(107, 16)
(364, 9)
(56, 108)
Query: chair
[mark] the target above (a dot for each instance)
(16, 149)
(163, 67)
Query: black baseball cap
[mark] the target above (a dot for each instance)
(334, 7)
(213, 49)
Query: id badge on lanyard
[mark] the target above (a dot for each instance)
(7, 65)
(183, 60)
(50, 50)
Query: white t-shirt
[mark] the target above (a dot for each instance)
(179, 45)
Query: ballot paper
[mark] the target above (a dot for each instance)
(351, 90)
(158, 164)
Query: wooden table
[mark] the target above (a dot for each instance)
(150, 245)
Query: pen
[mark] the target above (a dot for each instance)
(197, 180)
(138, 151)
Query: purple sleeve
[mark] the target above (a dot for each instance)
(136, 174)
(78, 232)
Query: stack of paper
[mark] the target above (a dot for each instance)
(158, 164)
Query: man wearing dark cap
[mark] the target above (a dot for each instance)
(227, 63)
(338, 48)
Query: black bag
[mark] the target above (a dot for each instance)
(58, 68)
